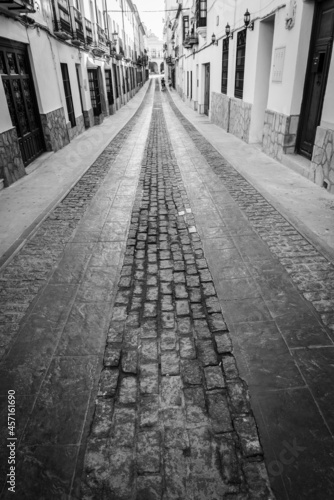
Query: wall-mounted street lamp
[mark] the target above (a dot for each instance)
(228, 31)
(214, 39)
(248, 23)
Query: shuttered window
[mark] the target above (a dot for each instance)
(68, 94)
(240, 64)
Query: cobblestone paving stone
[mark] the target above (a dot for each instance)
(31, 267)
(309, 269)
(172, 417)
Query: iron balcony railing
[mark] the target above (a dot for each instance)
(78, 30)
(89, 31)
(63, 18)
(19, 6)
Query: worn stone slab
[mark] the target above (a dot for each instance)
(206, 352)
(149, 379)
(170, 363)
(191, 372)
(148, 451)
(128, 390)
(219, 412)
(171, 391)
(214, 377)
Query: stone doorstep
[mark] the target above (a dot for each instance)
(297, 163)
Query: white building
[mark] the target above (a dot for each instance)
(155, 53)
(64, 65)
(271, 82)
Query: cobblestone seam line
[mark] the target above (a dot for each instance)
(172, 417)
(31, 267)
(312, 273)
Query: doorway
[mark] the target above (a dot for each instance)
(21, 99)
(94, 90)
(316, 76)
(206, 88)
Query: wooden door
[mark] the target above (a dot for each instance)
(94, 90)
(207, 89)
(21, 99)
(316, 76)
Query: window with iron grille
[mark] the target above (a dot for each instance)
(225, 66)
(240, 64)
(191, 84)
(110, 94)
(201, 11)
(68, 94)
(115, 80)
(185, 26)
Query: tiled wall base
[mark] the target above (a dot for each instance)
(78, 129)
(279, 134)
(89, 118)
(322, 166)
(220, 110)
(11, 164)
(55, 130)
(98, 119)
(240, 117)
(112, 109)
(233, 115)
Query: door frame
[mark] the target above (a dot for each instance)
(303, 108)
(15, 46)
(205, 103)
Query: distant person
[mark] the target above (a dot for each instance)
(163, 84)
(169, 83)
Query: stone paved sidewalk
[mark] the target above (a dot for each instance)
(172, 417)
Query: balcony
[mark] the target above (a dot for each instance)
(18, 6)
(186, 43)
(89, 32)
(100, 47)
(62, 23)
(193, 40)
(78, 31)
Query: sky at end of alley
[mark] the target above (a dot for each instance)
(152, 20)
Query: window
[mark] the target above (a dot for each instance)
(68, 94)
(191, 84)
(110, 95)
(240, 64)
(115, 79)
(201, 8)
(185, 26)
(225, 65)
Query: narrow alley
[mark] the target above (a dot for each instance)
(168, 330)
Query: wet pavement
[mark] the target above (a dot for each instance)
(130, 382)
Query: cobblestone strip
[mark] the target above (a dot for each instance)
(29, 270)
(172, 417)
(311, 271)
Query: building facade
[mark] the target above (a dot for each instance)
(65, 65)
(155, 53)
(263, 71)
